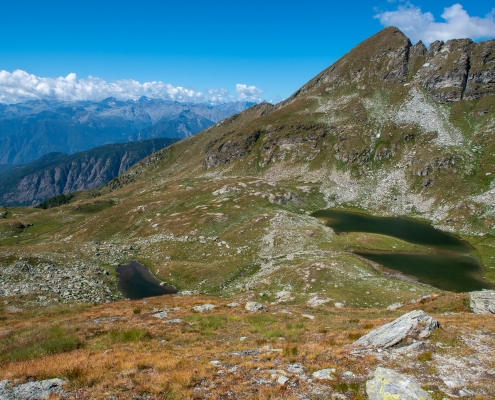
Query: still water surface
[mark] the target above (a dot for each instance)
(449, 267)
(137, 282)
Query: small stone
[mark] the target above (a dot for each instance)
(395, 306)
(308, 316)
(174, 321)
(388, 384)
(233, 305)
(282, 380)
(324, 374)
(339, 305)
(161, 314)
(204, 308)
(216, 363)
(252, 306)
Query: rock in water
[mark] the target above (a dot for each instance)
(390, 385)
(31, 390)
(255, 307)
(482, 302)
(414, 325)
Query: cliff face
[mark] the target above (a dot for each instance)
(451, 71)
(57, 173)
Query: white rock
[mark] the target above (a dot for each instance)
(339, 305)
(233, 305)
(316, 301)
(282, 380)
(388, 384)
(161, 314)
(174, 321)
(204, 308)
(324, 374)
(308, 316)
(395, 306)
(252, 306)
(284, 296)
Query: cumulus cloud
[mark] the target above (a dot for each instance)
(418, 25)
(245, 92)
(19, 86)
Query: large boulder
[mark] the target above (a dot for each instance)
(413, 325)
(482, 302)
(390, 385)
(31, 390)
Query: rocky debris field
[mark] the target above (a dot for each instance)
(43, 284)
(200, 347)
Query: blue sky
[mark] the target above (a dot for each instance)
(268, 49)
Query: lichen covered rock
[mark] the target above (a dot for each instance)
(390, 385)
(482, 302)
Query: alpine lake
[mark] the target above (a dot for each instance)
(447, 266)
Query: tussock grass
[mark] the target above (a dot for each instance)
(34, 343)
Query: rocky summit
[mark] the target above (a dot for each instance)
(271, 299)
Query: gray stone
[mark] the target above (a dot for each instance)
(204, 308)
(31, 390)
(324, 374)
(252, 306)
(482, 302)
(161, 314)
(390, 385)
(395, 306)
(413, 325)
(282, 380)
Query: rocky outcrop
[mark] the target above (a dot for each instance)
(411, 326)
(459, 69)
(445, 72)
(223, 153)
(482, 302)
(481, 75)
(31, 390)
(390, 385)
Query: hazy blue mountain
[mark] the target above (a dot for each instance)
(33, 129)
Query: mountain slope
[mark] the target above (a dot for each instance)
(227, 210)
(57, 173)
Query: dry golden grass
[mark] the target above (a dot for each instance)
(141, 355)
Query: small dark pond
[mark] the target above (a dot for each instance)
(449, 267)
(137, 282)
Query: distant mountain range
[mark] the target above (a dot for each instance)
(31, 130)
(57, 173)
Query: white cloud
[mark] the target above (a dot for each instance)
(245, 92)
(422, 26)
(19, 86)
